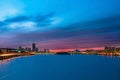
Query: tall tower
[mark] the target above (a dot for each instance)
(33, 47)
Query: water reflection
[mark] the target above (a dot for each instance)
(56, 67)
(5, 61)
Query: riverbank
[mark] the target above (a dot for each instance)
(12, 55)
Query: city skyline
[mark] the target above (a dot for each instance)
(71, 25)
(35, 48)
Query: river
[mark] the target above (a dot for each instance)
(61, 67)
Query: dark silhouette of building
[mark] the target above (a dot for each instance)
(76, 51)
(112, 51)
(46, 51)
(29, 49)
(36, 50)
(19, 49)
(34, 47)
(8, 50)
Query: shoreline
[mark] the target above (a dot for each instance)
(12, 55)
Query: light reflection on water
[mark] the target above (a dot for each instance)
(64, 67)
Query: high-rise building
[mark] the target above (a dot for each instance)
(29, 49)
(46, 51)
(19, 49)
(34, 47)
(36, 50)
(112, 50)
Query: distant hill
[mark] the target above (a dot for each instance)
(62, 53)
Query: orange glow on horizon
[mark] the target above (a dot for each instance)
(81, 49)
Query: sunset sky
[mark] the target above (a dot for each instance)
(60, 24)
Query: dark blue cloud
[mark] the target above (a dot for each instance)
(18, 19)
(97, 34)
(36, 18)
(39, 20)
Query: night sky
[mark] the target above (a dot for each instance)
(60, 24)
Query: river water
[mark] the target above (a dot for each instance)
(61, 67)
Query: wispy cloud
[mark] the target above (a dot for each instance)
(10, 9)
(27, 23)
